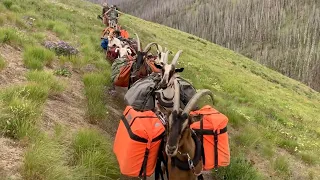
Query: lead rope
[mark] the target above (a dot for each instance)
(190, 162)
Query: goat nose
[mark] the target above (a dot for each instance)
(171, 149)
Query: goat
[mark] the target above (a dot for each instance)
(144, 62)
(183, 148)
(165, 91)
(113, 41)
(123, 51)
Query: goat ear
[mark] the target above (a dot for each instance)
(179, 69)
(158, 66)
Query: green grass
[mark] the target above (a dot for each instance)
(281, 165)
(265, 109)
(47, 80)
(94, 89)
(20, 109)
(2, 63)
(21, 105)
(37, 57)
(93, 152)
(7, 3)
(47, 159)
(10, 36)
(239, 169)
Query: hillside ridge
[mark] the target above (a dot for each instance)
(68, 120)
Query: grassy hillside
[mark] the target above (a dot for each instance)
(282, 35)
(54, 107)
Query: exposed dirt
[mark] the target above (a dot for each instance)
(10, 159)
(67, 108)
(14, 71)
(11, 153)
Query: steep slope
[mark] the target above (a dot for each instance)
(283, 35)
(273, 118)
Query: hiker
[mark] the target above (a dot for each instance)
(113, 16)
(105, 8)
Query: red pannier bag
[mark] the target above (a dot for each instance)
(212, 131)
(137, 142)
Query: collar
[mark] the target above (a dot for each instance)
(191, 163)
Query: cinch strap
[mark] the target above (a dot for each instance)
(143, 170)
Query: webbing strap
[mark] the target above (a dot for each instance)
(143, 170)
(215, 149)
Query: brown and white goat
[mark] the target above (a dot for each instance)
(183, 148)
(144, 63)
(166, 89)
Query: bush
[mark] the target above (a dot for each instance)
(61, 48)
(37, 57)
(62, 72)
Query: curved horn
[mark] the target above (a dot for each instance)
(149, 45)
(195, 98)
(176, 98)
(138, 41)
(165, 59)
(176, 57)
(160, 48)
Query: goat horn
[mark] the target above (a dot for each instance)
(147, 48)
(176, 100)
(195, 98)
(165, 59)
(160, 48)
(138, 41)
(176, 57)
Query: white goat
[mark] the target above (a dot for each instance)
(124, 50)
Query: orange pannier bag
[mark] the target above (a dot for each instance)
(137, 142)
(212, 131)
(124, 33)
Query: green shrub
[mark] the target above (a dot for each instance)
(63, 72)
(37, 57)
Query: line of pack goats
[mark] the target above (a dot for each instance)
(162, 130)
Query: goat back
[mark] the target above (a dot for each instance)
(137, 142)
(212, 131)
